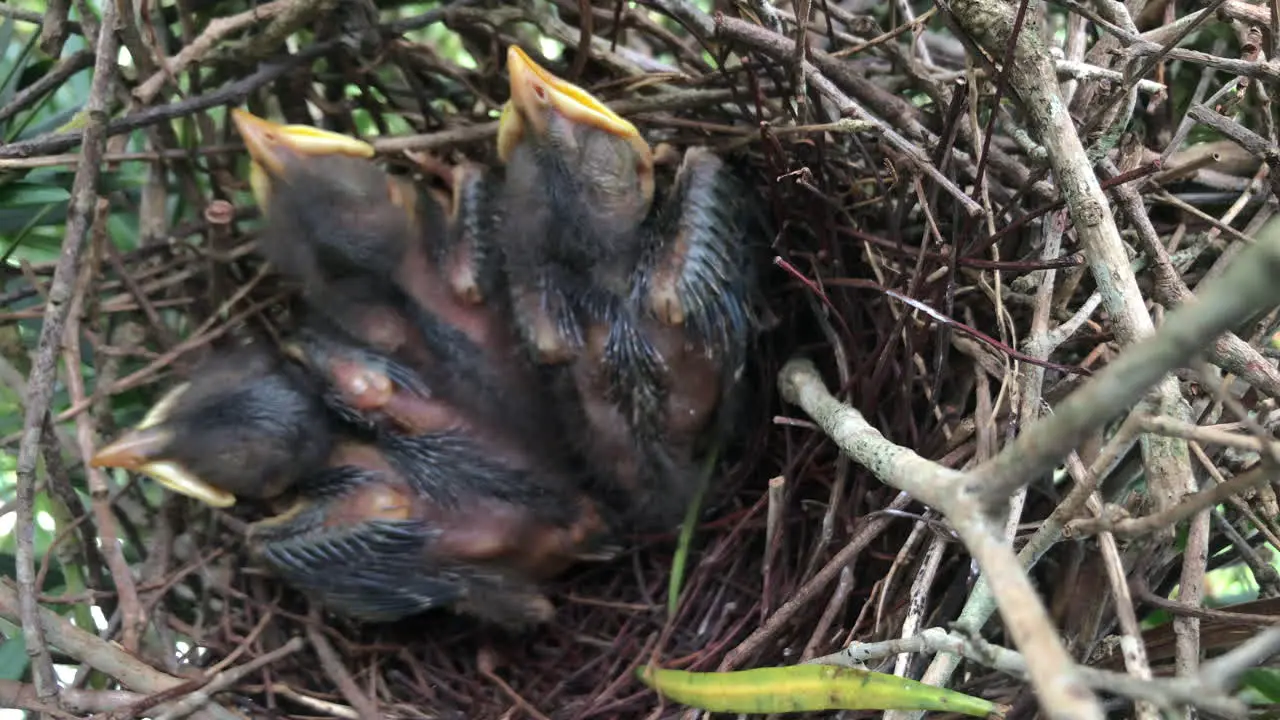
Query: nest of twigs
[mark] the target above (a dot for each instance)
(927, 255)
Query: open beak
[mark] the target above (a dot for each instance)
(272, 145)
(140, 450)
(534, 91)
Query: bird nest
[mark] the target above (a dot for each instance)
(916, 229)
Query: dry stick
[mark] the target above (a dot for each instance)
(101, 655)
(1204, 691)
(667, 101)
(147, 156)
(44, 368)
(337, 672)
(14, 694)
(216, 29)
(906, 553)
(1132, 650)
(1218, 616)
(840, 481)
(53, 26)
(132, 617)
(783, 48)
(867, 531)
(1169, 517)
(802, 8)
(56, 142)
(1031, 76)
(227, 678)
(30, 16)
(53, 79)
(1218, 387)
(316, 704)
(918, 604)
(1228, 352)
(979, 607)
(1247, 285)
(1053, 674)
(772, 532)
(1175, 481)
(1224, 672)
(834, 606)
(1263, 573)
(1166, 197)
(1040, 343)
(1206, 435)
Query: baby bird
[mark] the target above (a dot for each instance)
(456, 493)
(409, 274)
(579, 182)
(407, 524)
(375, 529)
(245, 424)
(646, 298)
(331, 213)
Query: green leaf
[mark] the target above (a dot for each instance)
(9, 84)
(30, 193)
(13, 658)
(808, 688)
(681, 559)
(1264, 681)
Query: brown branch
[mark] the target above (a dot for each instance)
(43, 370)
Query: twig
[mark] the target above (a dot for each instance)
(1169, 517)
(1204, 691)
(217, 29)
(230, 93)
(132, 616)
(951, 492)
(333, 667)
(783, 48)
(867, 532)
(103, 656)
(43, 370)
(1224, 673)
(227, 678)
(1248, 284)
(1133, 651)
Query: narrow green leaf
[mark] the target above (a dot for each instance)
(30, 193)
(681, 559)
(13, 658)
(1265, 681)
(10, 81)
(809, 688)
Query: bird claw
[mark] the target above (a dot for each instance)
(664, 291)
(362, 387)
(549, 333)
(695, 278)
(469, 263)
(462, 276)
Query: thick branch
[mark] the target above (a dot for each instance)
(1247, 285)
(1053, 673)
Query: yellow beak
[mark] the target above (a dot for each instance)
(140, 450)
(270, 146)
(534, 92)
